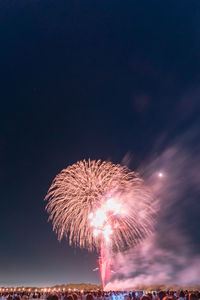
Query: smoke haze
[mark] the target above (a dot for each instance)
(171, 254)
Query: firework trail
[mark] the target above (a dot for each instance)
(100, 206)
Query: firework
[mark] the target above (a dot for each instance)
(100, 205)
(84, 195)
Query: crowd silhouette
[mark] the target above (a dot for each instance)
(99, 295)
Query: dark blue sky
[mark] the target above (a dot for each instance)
(79, 79)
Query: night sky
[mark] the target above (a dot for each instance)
(78, 79)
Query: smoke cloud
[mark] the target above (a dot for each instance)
(172, 254)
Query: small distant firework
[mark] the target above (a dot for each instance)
(100, 205)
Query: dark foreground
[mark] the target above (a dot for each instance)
(53, 294)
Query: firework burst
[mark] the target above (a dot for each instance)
(94, 202)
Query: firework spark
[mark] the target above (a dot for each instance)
(94, 202)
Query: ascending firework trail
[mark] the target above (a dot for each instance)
(100, 206)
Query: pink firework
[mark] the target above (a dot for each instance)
(100, 205)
